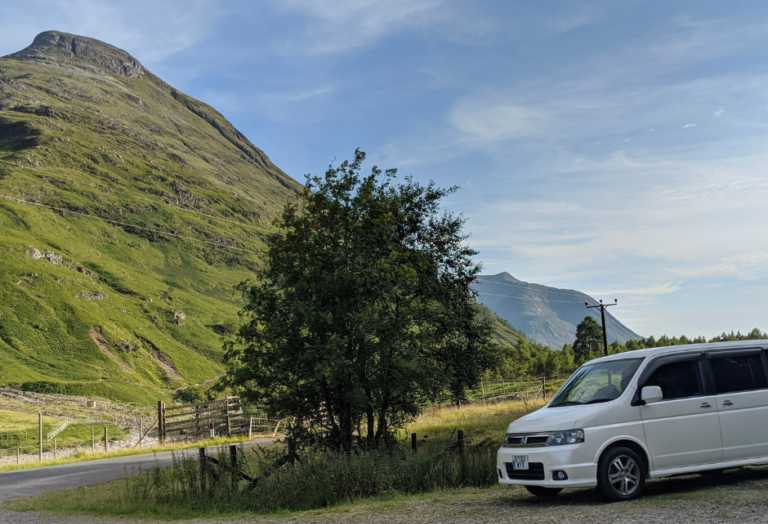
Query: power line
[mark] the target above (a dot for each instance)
(126, 224)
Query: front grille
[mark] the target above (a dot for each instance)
(535, 471)
(526, 440)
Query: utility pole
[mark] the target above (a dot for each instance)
(602, 317)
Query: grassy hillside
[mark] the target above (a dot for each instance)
(128, 213)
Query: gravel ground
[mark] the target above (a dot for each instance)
(738, 496)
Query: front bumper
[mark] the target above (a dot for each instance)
(552, 458)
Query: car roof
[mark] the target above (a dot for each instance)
(684, 348)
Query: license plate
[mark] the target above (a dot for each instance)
(520, 462)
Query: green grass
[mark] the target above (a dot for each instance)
(131, 151)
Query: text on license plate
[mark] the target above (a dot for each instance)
(520, 462)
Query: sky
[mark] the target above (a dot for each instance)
(618, 148)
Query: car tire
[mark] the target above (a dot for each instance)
(541, 491)
(621, 474)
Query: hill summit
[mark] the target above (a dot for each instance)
(129, 212)
(58, 47)
(545, 314)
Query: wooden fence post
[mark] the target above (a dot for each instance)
(197, 421)
(414, 443)
(250, 428)
(161, 421)
(543, 387)
(235, 466)
(462, 457)
(18, 455)
(40, 435)
(106, 440)
(54, 448)
(226, 411)
(141, 430)
(203, 471)
(93, 439)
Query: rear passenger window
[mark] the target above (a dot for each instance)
(677, 380)
(738, 373)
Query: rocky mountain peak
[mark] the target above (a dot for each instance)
(59, 47)
(505, 277)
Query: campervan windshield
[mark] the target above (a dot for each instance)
(598, 382)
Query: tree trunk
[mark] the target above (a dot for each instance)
(371, 425)
(346, 426)
(381, 432)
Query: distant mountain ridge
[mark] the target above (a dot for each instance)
(545, 314)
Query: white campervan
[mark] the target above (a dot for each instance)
(625, 418)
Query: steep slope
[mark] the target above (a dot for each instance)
(129, 212)
(547, 315)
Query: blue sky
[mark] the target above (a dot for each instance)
(613, 147)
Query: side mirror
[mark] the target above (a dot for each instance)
(651, 394)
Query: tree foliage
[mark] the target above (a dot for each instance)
(363, 310)
(589, 339)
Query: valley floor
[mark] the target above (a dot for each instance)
(738, 497)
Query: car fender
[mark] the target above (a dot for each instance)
(618, 438)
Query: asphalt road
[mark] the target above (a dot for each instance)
(32, 482)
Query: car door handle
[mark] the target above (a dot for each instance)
(705, 405)
(727, 403)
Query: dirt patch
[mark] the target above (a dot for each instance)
(103, 346)
(161, 359)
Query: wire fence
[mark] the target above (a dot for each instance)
(67, 425)
(527, 389)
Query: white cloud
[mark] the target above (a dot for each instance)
(666, 288)
(486, 118)
(342, 25)
(702, 220)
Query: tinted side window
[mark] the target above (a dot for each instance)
(677, 379)
(738, 373)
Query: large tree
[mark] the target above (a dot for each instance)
(363, 310)
(589, 339)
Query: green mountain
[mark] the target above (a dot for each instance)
(129, 211)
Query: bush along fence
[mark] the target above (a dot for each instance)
(269, 479)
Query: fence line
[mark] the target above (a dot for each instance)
(501, 390)
(190, 422)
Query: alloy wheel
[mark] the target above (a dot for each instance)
(624, 475)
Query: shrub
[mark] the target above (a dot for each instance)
(320, 479)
